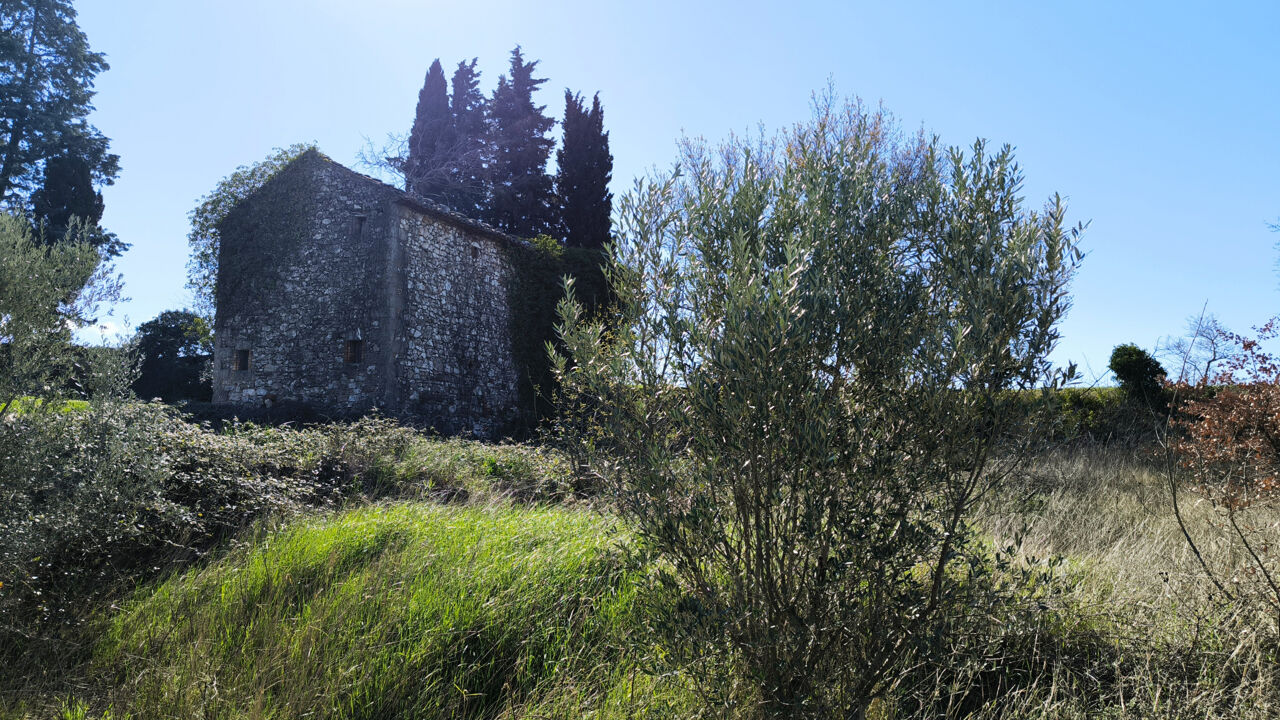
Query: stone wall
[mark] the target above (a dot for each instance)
(321, 256)
(302, 270)
(457, 370)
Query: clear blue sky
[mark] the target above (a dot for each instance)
(1159, 121)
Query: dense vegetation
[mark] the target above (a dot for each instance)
(810, 461)
(486, 158)
(810, 385)
(51, 159)
(508, 609)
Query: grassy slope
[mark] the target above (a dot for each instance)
(422, 610)
(410, 610)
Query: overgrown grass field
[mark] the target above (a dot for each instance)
(485, 596)
(408, 610)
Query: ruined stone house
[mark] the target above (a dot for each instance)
(343, 293)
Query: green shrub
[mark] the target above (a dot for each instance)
(536, 289)
(93, 500)
(807, 390)
(49, 287)
(175, 350)
(1140, 375)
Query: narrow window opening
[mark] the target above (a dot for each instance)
(353, 351)
(475, 253)
(241, 361)
(357, 226)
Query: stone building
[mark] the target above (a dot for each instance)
(343, 293)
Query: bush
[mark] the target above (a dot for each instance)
(1100, 416)
(1140, 375)
(95, 498)
(1230, 443)
(47, 289)
(807, 390)
(92, 500)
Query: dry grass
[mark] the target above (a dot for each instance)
(1177, 649)
(412, 609)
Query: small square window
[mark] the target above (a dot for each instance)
(241, 361)
(353, 351)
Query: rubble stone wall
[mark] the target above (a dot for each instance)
(303, 270)
(457, 369)
(321, 256)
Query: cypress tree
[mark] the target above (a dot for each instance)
(468, 192)
(584, 168)
(431, 139)
(521, 199)
(67, 192)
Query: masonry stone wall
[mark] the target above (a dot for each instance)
(322, 257)
(457, 363)
(302, 270)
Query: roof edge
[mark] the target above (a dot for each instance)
(421, 204)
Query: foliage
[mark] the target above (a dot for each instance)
(67, 193)
(202, 267)
(779, 411)
(46, 82)
(401, 611)
(444, 157)
(1230, 443)
(95, 499)
(521, 197)
(1100, 614)
(175, 349)
(1140, 375)
(487, 159)
(536, 290)
(46, 291)
(1092, 416)
(584, 167)
(469, 183)
(431, 140)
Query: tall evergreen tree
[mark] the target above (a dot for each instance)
(431, 139)
(584, 168)
(521, 199)
(46, 84)
(66, 193)
(468, 183)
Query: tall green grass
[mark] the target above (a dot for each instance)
(422, 610)
(400, 611)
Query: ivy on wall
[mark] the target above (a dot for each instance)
(274, 220)
(533, 294)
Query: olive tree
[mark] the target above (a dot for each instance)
(808, 384)
(47, 290)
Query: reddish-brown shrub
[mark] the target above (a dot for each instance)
(1227, 437)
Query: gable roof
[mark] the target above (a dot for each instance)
(417, 202)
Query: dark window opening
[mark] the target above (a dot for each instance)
(240, 361)
(357, 225)
(475, 252)
(353, 352)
